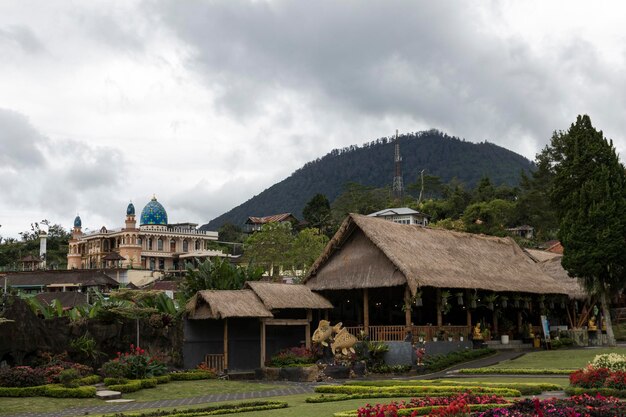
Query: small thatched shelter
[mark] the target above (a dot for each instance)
(408, 262)
(263, 317)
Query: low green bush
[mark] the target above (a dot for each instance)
(606, 392)
(192, 375)
(52, 390)
(163, 379)
(115, 381)
(130, 386)
(439, 362)
(69, 378)
(422, 411)
(210, 410)
(516, 371)
(345, 397)
(413, 390)
(90, 380)
(523, 387)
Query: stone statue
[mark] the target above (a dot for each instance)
(324, 332)
(344, 342)
(477, 335)
(592, 324)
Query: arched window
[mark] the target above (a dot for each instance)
(172, 245)
(198, 243)
(185, 246)
(139, 241)
(160, 244)
(150, 245)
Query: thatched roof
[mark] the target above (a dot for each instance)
(541, 255)
(571, 285)
(222, 304)
(287, 296)
(422, 256)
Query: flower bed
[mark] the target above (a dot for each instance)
(606, 372)
(295, 356)
(578, 406)
(134, 364)
(409, 391)
(515, 371)
(429, 405)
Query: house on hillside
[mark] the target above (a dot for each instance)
(254, 224)
(402, 215)
(387, 279)
(61, 281)
(241, 329)
(525, 231)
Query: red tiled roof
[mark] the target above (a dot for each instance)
(269, 219)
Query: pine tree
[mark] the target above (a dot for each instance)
(589, 195)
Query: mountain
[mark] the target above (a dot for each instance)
(373, 164)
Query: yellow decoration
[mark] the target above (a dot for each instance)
(324, 332)
(477, 333)
(344, 341)
(592, 324)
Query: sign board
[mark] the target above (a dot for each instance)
(545, 326)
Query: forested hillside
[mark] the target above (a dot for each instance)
(373, 164)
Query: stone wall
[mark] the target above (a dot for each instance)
(28, 336)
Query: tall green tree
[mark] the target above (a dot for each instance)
(360, 199)
(589, 195)
(307, 247)
(269, 247)
(217, 274)
(317, 212)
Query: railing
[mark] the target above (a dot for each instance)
(398, 333)
(215, 361)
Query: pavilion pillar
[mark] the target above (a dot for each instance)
(407, 307)
(307, 336)
(468, 311)
(438, 304)
(263, 346)
(225, 344)
(366, 311)
(520, 322)
(495, 321)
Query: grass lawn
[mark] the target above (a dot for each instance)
(171, 390)
(559, 359)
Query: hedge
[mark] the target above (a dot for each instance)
(163, 379)
(89, 380)
(134, 385)
(421, 411)
(523, 387)
(413, 390)
(516, 371)
(344, 397)
(191, 375)
(210, 410)
(606, 392)
(115, 381)
(52, 390)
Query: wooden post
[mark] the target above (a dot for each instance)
(366, 311)
(495, 321)
(519, 322)
(468, 312)
(438, 303)
(407, 307)
(263, 347)
(307, 336)
(225, 344)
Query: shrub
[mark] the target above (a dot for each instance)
(523, 388)
(294, 356)
(210, 410)
(516, 371)
(589, 377)
(55, 391)
(611, 361)
(22, 376)
(135, 364)
(582, 405)
(413, 390)
(68, 378)
(89, 380)
(115, 381)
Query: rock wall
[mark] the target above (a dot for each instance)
(28, 336)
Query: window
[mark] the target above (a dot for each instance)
(198, 243)
(160, 245)
(150, 246)
(172, 245)
(139, 241)
(185, 246)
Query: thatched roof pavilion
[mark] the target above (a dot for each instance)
(222, 304)
(371, 253)
(287, 296)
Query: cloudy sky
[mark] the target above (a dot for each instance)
(207, 103)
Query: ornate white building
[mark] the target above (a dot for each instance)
(155, 245)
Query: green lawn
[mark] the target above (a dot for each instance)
(171, 390)
(559, 359)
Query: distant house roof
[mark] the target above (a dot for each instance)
(30, 258)
(68, 299)
(556, 248)
(398, 211)
(84, 278)
(113, 256)
(540, 255)
(368, 252)
(271, 219)
(523, 228)
(164, 286)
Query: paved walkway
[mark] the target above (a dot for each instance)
(286, 389)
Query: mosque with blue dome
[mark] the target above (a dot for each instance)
(154, 245)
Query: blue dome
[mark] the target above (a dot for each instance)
(153, 213)
(77, 221)
(130, 210)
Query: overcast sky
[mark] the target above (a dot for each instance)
(207, 103)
